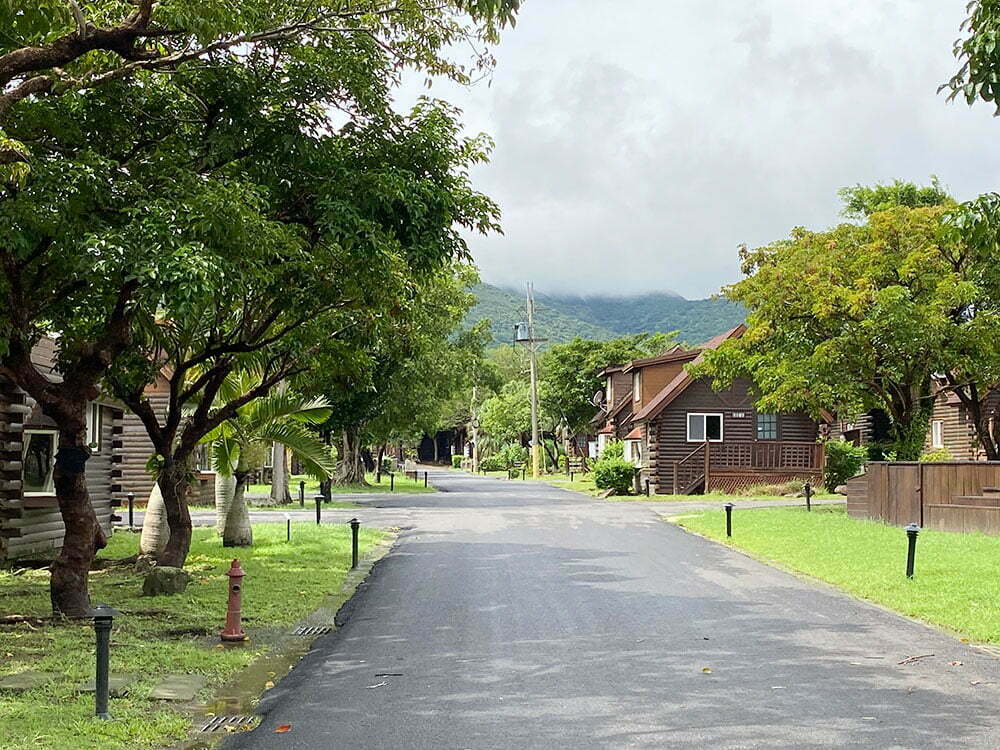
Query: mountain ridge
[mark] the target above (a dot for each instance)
(562, 317)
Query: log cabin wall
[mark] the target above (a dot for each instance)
(739, 424)
(31, 526)
(135, 447)
(957, 429)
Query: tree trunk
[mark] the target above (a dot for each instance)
(238, 531)
(280, 491)
(225, 488)
(173, 482)
(155, 531)
(350, 468)
(84, 536)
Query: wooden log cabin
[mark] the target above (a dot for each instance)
(688, 438)
(31, 527)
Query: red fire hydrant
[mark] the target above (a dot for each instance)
(234, 629)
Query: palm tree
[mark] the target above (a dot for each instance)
(280, 417)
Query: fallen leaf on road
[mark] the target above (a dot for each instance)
(981, 682)
(372, 687)
(777, 687)
(911, 659)
(706, 670)
(268, 685)
(954, 664)
(284, 728)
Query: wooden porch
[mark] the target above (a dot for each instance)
(733, 465)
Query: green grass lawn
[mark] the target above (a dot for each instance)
(955, 585)
(402, 483)
(157, 636)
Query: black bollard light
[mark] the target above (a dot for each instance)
(103, 616)
(729, 519)
(647, 488)
(288, 528)
(302, 494)
(911, 547)
(524, 472)
(808, 492)
(571, 475)
(355, 525)
(392, 482)
(319, 508)
(131, 510)
(425, 479)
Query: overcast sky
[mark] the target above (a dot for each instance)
(639, 142)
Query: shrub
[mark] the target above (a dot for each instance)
(843, 461)
(614, 474)
(791, 488)
(456, 461)
(492, 463)
(614, 449)
(564, 464)
(940, 454)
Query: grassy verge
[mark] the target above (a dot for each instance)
(157, 636)
(403, 484)
(955, 585)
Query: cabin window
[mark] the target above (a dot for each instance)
(704, 427)
(767, 426)
(94, 425)
(633, 452)
(637, 385)
(38, 461)
(937, 434)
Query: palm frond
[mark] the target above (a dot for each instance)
(225, 455)
(304, 445)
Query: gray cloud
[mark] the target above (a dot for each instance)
(639, 142)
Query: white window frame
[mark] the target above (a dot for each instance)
(609, 392)
(602, 442)
(49, 488)
(637, 385)
(705, 415)
(937, 433)
(95, 419)
(634, 452)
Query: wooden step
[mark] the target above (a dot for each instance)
(991, 490)
(979, 501)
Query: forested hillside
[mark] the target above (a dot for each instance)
(563, 317)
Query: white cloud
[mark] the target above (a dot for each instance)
(639, 142)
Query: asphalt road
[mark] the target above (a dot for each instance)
(515, 615)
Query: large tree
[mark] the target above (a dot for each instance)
(853, 318)
(572, 372)
(120, 168)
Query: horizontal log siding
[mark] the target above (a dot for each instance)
(739, 424)
(136, 448)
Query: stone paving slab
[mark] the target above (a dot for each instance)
(23, 681)
(178, 687)
(118, 685)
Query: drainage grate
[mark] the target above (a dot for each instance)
(220, 723)
(312, 630)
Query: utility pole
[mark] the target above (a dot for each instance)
(524, 333)
(475, 431)
(536, 444)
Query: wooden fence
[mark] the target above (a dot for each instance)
(952, 496)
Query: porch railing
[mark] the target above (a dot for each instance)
(767, 455)
(690, 470)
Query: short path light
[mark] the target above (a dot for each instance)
(288, 528)
(319, 508)
(729, 518)
(103, 616)
(808, 491)
(302, 494)
(131, 510)
(355, 526)
(911, 547)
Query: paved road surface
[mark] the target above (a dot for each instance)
(514, 615)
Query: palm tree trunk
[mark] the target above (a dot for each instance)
(225, 487)
(155, 532)
(280, 491)
(238, 531)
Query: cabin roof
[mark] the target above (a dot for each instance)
(677, 386)
(674, 354)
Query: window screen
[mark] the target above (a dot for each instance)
(767, 426)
